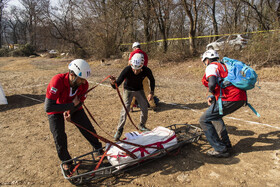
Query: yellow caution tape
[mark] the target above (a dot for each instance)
(209, 36)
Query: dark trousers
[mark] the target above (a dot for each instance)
(57, 127)
(213, 125)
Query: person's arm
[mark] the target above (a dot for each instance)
(51, 106)
(152, 84)
(212, 81)
(77, 104)
(120, 78)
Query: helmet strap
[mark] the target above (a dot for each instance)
(75, 79)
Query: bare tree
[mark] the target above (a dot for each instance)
(191, 9)
(3, 3)
(260, 16)
(65, 26)
(99, 27)
(145, 11)
(212, 7)
(161, 11)
(274, 6)
(13, 23)
(107, 24)
(33, 12)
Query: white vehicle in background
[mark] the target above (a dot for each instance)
(235, 41)
(53, 52)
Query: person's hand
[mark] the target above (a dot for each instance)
(150, 97)
(76, 101)
(210, 99)
(67, 116)
(113, 80)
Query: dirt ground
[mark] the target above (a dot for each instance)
(28, 154)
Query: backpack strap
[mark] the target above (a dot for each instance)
(252, 108)
(220, 103)
(220, 83)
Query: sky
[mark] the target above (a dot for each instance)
(14, 2)
(17, 3)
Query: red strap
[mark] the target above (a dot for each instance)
(142, 148)
(118, 91)
(100, 137)
(106, 140)
(91, 116)
(124, 106)
(75, 168)
(158, 144)
(101, 159)
(98, 84)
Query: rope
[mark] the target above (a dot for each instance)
(124, 106)
(118, 91)
(98, 84)
(91, 116)
(101, 159)
(106, 140)
(75, 168)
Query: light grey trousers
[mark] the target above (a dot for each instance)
(142, 101)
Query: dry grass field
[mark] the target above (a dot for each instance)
(28, 156)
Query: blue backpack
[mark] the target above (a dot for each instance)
(241, 76)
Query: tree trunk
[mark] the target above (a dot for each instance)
(193, 22)
(1, 13)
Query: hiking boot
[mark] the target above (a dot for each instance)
(143, 128)
(217, 154)
(118, 134)
(100, 152)
(154, 109)
(68, 168)
(229, 147)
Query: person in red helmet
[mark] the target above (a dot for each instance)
(66, 92)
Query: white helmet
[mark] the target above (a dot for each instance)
(80, 67)
(137, 61)
(135, 44)
(210, 54)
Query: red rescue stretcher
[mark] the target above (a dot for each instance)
(91, 167)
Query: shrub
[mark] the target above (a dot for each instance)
(27, 50)
(16, 53)
(4, 52)
(23, 50)
(263, 50)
